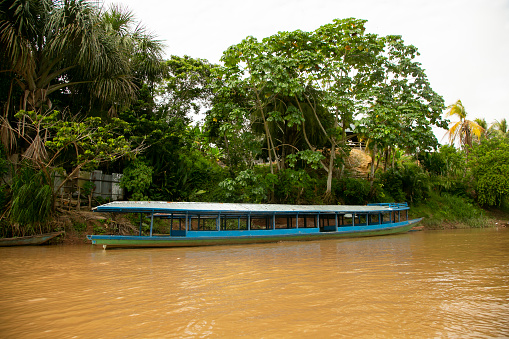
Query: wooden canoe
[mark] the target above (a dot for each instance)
(29, 240)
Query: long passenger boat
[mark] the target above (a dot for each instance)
(202, 224)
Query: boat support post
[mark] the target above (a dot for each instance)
(141, 219)
(151, 222)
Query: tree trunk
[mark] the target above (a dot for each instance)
(332, 157)
(372, 174)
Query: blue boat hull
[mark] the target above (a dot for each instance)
(210, 238)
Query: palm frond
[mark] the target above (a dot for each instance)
(474, 128)
(456, 109)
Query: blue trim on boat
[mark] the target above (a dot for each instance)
(258, 222)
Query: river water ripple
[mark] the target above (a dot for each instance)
(429, 284)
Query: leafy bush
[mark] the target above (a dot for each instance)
(490, 168)
(449, 161)
(392, 181)
(136, 179)
(293, 186)
(447, 210)
(407, 182)
(31, 200)
(352, 191)
(433, 162)
(79, 226)
(248, 186)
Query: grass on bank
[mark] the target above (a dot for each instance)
(443, 211)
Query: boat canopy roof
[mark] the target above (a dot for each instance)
(240, 208)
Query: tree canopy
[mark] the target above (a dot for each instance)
(50, 46)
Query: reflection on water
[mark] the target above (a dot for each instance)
(421, 284)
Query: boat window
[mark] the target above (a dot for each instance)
(374, 219)
(361, 220)
(307, 221)
(385, 218)
(202, 222)
(327, 222)
(261, 222)
(347, 219)
(286, 221)
(233, 222)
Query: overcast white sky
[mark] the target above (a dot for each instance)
(464, 44)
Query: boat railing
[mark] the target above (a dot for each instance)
(391, 205)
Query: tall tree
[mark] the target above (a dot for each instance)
(49, 46)
(400, 107)
(463, 130)
(252, 68)
(186, 88)
(325, 79)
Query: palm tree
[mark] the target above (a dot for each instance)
(500, 127)
(140, 45)
(463, 130)
(485, 134)
(51, 46)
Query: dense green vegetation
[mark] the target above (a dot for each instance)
(87, 89)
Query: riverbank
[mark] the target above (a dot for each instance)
(77, 224)
(444, 211)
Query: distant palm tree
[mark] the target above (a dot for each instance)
(482, 122)
(500, 127)
(464, 131)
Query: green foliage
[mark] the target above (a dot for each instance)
(355, 191)
(87, 188)
(183, 161)
(4, 163)
(433, 162)
(352, 191)
(400, 107)
(99, 230)
(490, 169)
(79, 226)
(54, 45)
(309, 157)
(248, 186)
(58, 142)
(293, 186)
(137, 178)
(31, 200)
(186, 87)
(445, 210)
(4, 189)
(407, 182)
(447, 170)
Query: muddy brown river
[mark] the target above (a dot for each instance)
(430, 284)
